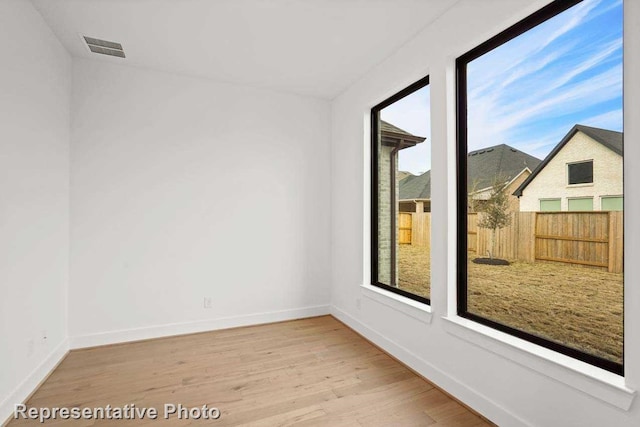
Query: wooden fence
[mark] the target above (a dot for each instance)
(586, 238)
(414, 228)
(582, 238)
(472, 232)
(514, 242)
(406, 226)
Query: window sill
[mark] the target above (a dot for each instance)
(415, 309)
(596, 382)
(586, 184)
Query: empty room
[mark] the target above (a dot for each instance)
(320, 213)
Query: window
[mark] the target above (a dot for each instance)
(521, 263)
(612, 203)
(580, 204)
(550, 205)
(580, 173)
(401, 193)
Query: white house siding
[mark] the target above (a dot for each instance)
(552, 181)
(514, 203)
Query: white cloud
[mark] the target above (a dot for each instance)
(610, 120)
(491, 122)
(592, 61)
(522, 49)
(544, 80)
(567, 99)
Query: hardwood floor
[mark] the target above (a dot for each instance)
(310, 372)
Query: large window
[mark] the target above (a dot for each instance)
(401, 193)
(533, 103)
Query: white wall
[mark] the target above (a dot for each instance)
(35, 89)
(183, 188)
(498, 376)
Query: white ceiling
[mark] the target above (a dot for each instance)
(310, 47)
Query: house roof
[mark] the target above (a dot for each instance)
(482, 165)
(394, 136)
(416, 187)
(403, 174)
(611, 139)
(388, 127)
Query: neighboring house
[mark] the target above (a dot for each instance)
(484, 166)
(582, 173)
(392, 140)
(415, 193)
(403, 174)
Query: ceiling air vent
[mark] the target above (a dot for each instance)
(104, 47)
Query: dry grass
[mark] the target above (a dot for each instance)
(414, 269)
(577, 306)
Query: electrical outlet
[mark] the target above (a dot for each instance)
(208, 302)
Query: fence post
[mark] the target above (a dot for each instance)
(414, 219)
(610, 246)
(534, 228)
(615, 249)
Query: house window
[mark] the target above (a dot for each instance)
(550, 205)
(520, 266)
(612, 203)
(580, 204)
(580, 173)
(401, 193)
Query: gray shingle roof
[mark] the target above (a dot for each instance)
(388, 127)
(501, 160)
(611, 139)
(403, 174)
(416, 187)
(483, 166)
(394, 136)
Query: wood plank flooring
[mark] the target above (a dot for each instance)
(309, 372)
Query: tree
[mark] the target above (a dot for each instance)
(471, 196)
(495, 211)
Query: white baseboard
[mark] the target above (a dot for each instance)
(159, 331)
(470, 397)
(33, 380)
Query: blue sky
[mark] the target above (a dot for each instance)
(532, 90)
(412, 113)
